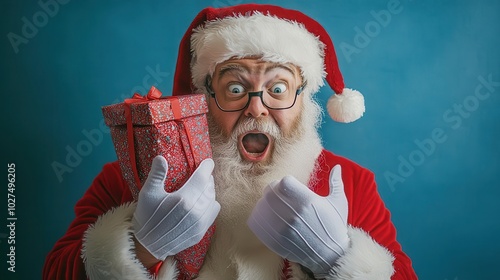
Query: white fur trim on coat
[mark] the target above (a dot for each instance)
(108, 249)
(365, 259)
(168, 270)
(271, 38)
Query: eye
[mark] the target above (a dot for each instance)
(236, 88)
(278, 88)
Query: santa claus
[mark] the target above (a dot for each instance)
(283, 206)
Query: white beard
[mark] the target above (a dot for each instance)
(235, 252)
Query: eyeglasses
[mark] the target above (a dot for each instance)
(236, 98)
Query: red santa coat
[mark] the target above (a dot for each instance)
(101, 234)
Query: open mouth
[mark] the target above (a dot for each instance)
(254, 146)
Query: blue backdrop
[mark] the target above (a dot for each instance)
(429, 71)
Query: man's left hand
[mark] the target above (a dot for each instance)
(302, 226)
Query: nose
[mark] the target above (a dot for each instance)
(255, 106)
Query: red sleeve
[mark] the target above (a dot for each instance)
(367, 211)
(107, 191)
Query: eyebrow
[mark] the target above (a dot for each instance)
(282, 66)
(231, 67)
(242, 69)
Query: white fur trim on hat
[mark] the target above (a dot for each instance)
(271, 38)
(347, 106)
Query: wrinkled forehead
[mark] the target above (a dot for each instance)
(255, 66)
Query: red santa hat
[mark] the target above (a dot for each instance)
(272, 33)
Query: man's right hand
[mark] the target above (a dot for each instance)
(167, 223)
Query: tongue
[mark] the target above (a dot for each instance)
(255, 142)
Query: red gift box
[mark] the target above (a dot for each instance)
(143, 127)
(175, 127)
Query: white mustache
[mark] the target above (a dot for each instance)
(263, 125)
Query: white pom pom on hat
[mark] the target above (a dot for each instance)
(347, 106)
(273, 33)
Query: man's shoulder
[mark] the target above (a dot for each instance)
(329, 159)
(111, 169)
(111, 175)
(352, 172)
(107, 190)
(113, 166)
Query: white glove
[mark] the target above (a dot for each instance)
(300, 225)
(167, 223)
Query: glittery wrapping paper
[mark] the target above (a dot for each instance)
(183, 141)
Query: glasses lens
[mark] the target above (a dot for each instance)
(232, 102)
(279, 100)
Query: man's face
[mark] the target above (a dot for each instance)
(253, 75)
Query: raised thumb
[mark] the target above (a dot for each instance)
(336, 183)
(157, 175)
